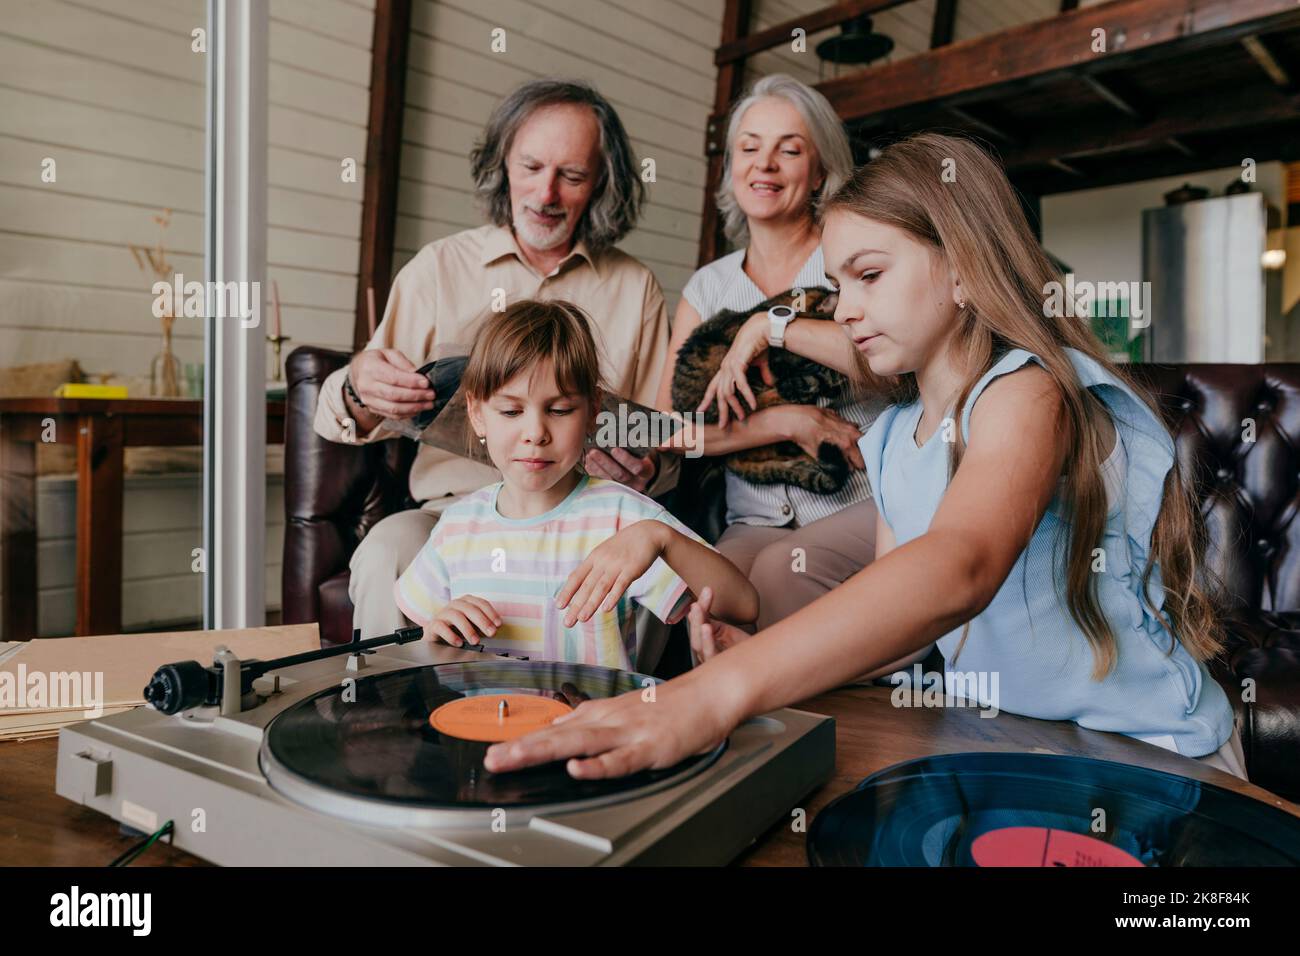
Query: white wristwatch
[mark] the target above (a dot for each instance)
(778, 317)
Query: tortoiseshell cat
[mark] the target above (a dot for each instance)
(799, 381)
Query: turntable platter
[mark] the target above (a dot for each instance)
(405, 747)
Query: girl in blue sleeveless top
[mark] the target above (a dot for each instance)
(1032, 518)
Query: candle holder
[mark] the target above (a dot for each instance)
(276, 341)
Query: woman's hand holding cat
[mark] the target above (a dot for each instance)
(748, 347)
(809, 426)
(599, 582)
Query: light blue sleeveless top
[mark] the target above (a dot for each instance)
(1026, 635)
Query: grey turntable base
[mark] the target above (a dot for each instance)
(202, 771)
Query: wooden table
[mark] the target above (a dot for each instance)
(102, 429)
(38, 828)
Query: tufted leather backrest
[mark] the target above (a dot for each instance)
(1236, 428)
(333, 493)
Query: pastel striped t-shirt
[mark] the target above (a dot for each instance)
(518, 565)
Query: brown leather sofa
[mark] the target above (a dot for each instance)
(1250, 494)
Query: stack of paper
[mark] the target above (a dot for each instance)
(49, 683)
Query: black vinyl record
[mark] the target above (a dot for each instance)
(444, 377)
(356, 750)
(998, 809)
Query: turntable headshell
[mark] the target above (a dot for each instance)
(228, 683)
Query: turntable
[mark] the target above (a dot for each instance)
(372, 754)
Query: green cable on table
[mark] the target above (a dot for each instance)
(129, 856)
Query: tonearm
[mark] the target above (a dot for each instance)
(188, 684)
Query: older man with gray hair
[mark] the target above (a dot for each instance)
(556, 174)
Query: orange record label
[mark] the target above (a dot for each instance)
(495, 717)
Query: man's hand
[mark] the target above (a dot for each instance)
(623, 467)
(389, 385)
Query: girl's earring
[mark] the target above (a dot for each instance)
(482, 439)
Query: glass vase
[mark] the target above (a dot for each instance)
(165, 371)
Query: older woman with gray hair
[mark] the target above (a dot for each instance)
(785, 149)
(556, 176)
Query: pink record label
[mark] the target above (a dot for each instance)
(1039, 846)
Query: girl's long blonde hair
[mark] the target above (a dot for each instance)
(949, 194)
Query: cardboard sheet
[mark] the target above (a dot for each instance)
(126, 662)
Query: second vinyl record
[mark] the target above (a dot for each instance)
(1024, 809)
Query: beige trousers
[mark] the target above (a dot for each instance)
(792, 567)
(378, 562)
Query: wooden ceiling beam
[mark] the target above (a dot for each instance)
(1064, 167)
(1234, 109)
(983, 125)
(1261, 54)
(732, 50)
(1134, 31)
(1107, 92)
(1283, 146)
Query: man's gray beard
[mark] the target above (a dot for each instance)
(543, 241)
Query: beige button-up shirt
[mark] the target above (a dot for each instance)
(440, 296)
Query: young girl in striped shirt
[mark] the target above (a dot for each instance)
(546, 564)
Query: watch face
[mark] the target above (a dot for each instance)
(781, 312)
